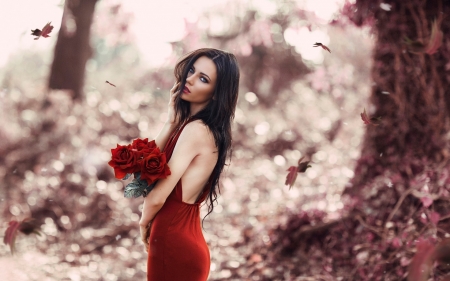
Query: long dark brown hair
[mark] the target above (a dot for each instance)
(219, 112)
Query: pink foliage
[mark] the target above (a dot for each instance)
(396, 242)
(426, 201)
(434, 217)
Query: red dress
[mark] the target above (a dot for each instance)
(178, 250)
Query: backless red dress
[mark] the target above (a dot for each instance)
(178, 250)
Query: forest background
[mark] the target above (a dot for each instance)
(295, 101)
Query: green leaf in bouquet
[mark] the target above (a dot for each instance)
(135, 189)
(149, 188)
(127, 176)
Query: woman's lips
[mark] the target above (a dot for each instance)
(186, 90)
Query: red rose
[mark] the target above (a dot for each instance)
(124, 160)
(154, 166)
(143, 146)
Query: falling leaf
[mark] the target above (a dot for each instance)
(432, 44)
(365, 118)
(291, 177)
(29, 226)
(110, 83)
(10, 234)
(421, 263)
(26, 226)
(302, 166)
(436, 36)
(44, 32)
(322, 45)
(293, 170)
(370, 120)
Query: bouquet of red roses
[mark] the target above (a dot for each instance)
(143, 159)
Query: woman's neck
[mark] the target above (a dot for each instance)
(196, 108)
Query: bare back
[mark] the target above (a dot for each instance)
(199, 170)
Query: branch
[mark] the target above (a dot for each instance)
(361, 221)
(397, 206)
(445, 217)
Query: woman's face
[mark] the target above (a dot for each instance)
(200, 82)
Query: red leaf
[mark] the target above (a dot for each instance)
(26, 226)
(44, 32)
(369, 120)
(292, 176)
(365, 118)
(47, 29)
(10, 234)
(322, 46)
(421, 263)
(435, 38)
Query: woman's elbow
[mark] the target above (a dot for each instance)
(153, 205)
(156, 203)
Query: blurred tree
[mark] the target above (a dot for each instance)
(400, 190)
(72, 47)
(410, 90)
(268, 63)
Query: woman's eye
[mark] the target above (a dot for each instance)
(191, 70)
(203, 79)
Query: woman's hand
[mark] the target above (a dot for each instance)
(145, 234)
(173, 94)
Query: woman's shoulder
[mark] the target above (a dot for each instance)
(198, 131)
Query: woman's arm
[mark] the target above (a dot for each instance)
(164, 134)
(170, 125)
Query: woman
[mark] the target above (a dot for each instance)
(197, 139)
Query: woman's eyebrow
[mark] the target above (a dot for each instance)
(193, 67)
(205, 75)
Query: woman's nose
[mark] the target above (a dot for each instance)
(189, 79)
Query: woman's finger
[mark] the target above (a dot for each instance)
(174, 88)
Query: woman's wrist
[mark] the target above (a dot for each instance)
(170, 125)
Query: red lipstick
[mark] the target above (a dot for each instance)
(186, 90)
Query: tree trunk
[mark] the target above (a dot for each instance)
(410, 91)
(72, 47)
(401, 189)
